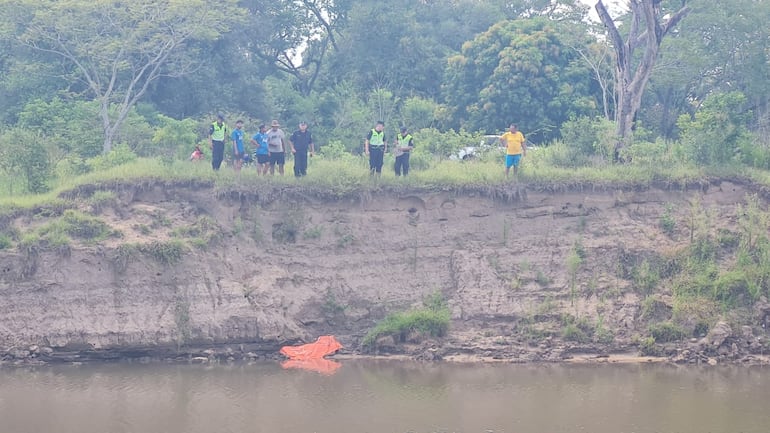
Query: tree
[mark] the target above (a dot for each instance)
(647, 29)
(23, 155)
(116, 48)
(294, 36)
(521, 71)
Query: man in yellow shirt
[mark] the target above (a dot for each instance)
(513, 141)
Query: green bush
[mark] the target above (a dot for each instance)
(165, 253)
(647, 347)
(5, 241)
(585, 137)
(665, 332)
(84, 226)
(576, 329)
(718, 129)
(571, 332)
(119, 155)
(667, 222)
(433, 320)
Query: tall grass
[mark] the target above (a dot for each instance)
(340, 176)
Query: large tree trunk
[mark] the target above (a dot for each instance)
(647, 29)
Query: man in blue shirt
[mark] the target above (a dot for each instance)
(238, 151)
(259, 140)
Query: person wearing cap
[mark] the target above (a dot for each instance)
(404, 146)
(217, 137)
(238, 151)
(375, 147)
(262, 154)
(301, 140)
(276, 145)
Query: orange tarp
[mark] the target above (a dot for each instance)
(325, 345)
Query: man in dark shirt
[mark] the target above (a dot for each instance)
(301, 141)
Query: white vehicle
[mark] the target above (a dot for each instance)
(487, 143)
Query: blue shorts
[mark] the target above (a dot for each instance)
(512, 160)
(263, 158)
(277, 158)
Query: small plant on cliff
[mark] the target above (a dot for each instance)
(647, 347)
(84, 226)
(99, 199)
(576, 329)
(288, 229)
(666, 332)
(5, 241)
(124, 254)
(667, 222)
(203, 232)
(313, 233)
(433, 320)
(166, 253)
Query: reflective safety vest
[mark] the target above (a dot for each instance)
(219, 132)
(378, 138)
(404, 141)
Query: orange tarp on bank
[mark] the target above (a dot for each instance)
(325, 345)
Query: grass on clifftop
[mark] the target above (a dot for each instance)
(350, 174)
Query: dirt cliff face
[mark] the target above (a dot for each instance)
(527, 273)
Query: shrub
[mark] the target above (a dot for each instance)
(166, 253)
(119, 155)
(718, 127)
(5, 241)
(433, 320)
(647, 347)
(100, 198)
(83, 226)
(666, 332)
(578, 330)
(585, 137)
(667, 222)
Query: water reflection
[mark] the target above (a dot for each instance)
(322, 366)
(384, 396)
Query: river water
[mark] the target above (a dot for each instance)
(386, 397)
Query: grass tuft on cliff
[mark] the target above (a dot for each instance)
(433, 319)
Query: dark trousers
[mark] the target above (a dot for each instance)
(217, 154)
(376, 155)
(402, 163)
(300, 164)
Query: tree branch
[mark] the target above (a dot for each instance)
(615, 37)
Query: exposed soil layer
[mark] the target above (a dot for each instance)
(529, 273)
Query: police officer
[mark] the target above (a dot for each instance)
(217, 136)
(375, 146)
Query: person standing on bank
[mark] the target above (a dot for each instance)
(404, 146)
(301, 140)
(375, 147)
(259, 140)
(238, 150)
(276, 145)
(217, 137)
(513, 141)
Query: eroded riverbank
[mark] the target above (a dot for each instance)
(529, 274)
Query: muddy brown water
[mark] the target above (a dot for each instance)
(385, 396)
